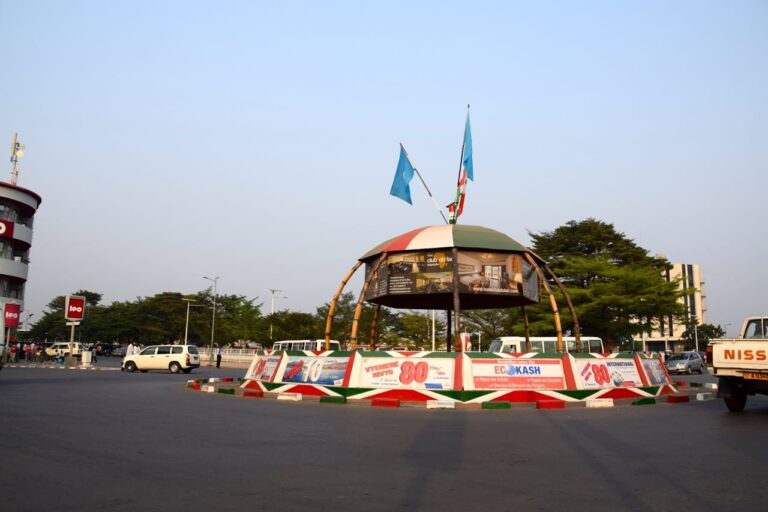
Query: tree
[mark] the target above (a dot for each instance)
(704, 333)
(292, 325)
(344, 314)
(616, 288)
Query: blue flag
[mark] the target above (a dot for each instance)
(467, 158)
(403, 176)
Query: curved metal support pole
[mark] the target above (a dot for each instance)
(332, 308)
(375, 326)
(576, 328)
(456, 303)
(526, 330)
(552, 302)
(359, 307)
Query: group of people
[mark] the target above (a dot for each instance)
(26, 352)
(132, 349)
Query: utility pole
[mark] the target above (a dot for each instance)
(213, 319)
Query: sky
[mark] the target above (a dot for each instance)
(257, 141)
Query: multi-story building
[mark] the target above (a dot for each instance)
(17, 211)
(668, 331)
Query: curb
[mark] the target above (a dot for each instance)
(228, 386)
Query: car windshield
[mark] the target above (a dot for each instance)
(678, 356)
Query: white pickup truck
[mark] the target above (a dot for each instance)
(741, 364)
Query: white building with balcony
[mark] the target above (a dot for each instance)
(17, 211)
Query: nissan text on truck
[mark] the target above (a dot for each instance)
(741, 364)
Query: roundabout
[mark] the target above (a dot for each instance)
(453, 268)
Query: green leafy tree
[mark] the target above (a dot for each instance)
(292, 325)
(616, 288)
(344, 314)
(704, 333)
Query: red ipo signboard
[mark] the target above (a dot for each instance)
(6, 229)
(74, 308)
(12, 312)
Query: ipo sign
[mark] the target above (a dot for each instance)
(74, 308)
(12, 312)
(6, 229)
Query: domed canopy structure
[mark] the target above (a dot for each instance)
(421, 269)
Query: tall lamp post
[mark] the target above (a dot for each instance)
(215, 281)
(272, 309)
(26, 321)
(186, 324)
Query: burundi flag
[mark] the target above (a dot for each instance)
(403, 176)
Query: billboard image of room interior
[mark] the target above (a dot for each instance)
(430, 273)
(486, 272)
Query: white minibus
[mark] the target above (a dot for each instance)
(304, 345)
(545, 344)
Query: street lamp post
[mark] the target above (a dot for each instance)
(186, 324)
(26, 321)
(213, 317)
(272, 309)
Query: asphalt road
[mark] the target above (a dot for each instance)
(107, 440)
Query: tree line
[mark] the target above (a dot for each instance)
(618, 291)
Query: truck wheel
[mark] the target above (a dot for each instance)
(736, 402)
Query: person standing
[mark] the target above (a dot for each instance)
(218, 357)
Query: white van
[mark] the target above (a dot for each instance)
(174, 358)
(589, 344)
(62, 348)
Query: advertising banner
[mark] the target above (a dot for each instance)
(411, 373)
(608, 373)
(74, 307)
(6, 229)
(495, 273)
(654, 371)
(428, 272)
(265, 368)
(316, 370)
(12, 312)
(522, 373)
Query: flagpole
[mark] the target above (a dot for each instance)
(425, 184)
(461, 164)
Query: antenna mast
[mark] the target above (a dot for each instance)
(17, 151)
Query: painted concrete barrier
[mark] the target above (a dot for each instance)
(599, 403)
(472, 377)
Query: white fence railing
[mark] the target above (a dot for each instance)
(237, 357)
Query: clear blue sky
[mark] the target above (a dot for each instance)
(258, 140)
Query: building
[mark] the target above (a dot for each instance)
(17, 211)
(668, 332)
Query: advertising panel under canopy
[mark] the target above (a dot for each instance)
(421, 270)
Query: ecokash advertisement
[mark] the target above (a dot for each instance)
(522, 373)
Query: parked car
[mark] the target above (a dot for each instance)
(175, 358)
(685, 362)
(117, 352)
(62, 348)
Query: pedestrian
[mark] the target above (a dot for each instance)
(218, 357)
(129, 349)
(13, 352)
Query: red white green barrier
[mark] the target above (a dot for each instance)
(470, 377)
